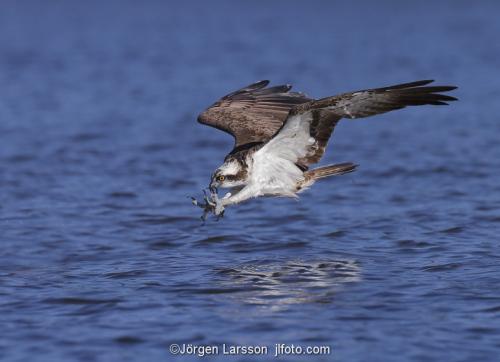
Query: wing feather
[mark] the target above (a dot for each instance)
(370, 102)
(253, 113)
(305, 134)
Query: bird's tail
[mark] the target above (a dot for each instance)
(331, 170)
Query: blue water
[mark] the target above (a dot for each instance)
(102, 255)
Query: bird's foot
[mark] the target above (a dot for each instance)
(211, 204)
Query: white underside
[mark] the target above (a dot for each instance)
(272, 170)
(273, 175)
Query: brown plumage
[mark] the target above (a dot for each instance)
(321, 128)
(255, 114)
(369, 102)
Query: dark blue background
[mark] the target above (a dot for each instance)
(102, 255)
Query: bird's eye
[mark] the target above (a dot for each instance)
(220, 178)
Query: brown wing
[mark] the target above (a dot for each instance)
(254, 113)
(370, 102)
(321, 128)
(324, 114)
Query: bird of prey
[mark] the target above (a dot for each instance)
(279, 134)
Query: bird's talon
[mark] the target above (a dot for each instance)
(211, 204)
(220, 216)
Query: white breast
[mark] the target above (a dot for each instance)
(274, 175)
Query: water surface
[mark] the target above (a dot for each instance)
(104, 258)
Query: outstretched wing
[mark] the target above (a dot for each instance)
(305, 134)
(254, 113)
(369, 102)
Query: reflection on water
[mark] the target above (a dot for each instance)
(277, 285)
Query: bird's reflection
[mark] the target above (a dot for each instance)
(280, 284)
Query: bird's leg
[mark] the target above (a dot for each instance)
(210, 199)
(219, 216)
(208, 205)
(244, 194)
(211, 204)
(218, 208)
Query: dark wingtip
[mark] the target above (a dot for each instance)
(258, 85)
(275, 89)
(418, 83)
(254, 86)
(249, 88)
(450, 87)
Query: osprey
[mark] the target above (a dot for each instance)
(279, 134)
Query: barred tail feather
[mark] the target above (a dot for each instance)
(331, 170)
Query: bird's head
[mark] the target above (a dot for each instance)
(230, 174)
